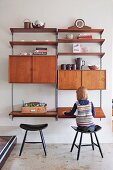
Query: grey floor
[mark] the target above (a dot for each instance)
(59, 157)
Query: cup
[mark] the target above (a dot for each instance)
(68, 66)
(73, 66)
(63, 66)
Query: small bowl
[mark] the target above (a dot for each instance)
(38, 26)
(93, 67)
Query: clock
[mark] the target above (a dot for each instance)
(79, 23)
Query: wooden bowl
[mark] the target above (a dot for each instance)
(93, 67)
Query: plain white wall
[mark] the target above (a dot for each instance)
(59, 14)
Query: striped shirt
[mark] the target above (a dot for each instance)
(84, 115)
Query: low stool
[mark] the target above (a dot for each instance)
(97, 128)
(29, 127)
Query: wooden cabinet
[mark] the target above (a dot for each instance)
(69, 79)
(94, 79)
(73, 79)
(32, 69)
(44, 69)
(20, 69)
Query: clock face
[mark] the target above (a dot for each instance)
(79, 23)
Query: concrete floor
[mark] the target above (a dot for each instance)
(59, 157)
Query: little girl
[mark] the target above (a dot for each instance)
(84, 111)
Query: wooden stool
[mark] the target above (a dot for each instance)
(97, 128)
(28, 127)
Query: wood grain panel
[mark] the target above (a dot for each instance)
(44, 69)
(69, 79)
(19, 69)
(94, 79)
(61, 110)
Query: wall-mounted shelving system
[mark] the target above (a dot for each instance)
(63, 79)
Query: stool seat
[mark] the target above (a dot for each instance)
(33, 127)
(97, 128)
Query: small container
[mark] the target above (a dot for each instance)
(27, 23)
(73, 66)
(63, 66)
(69, 36)
(68, 66)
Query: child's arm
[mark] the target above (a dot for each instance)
(72, 111)
(93, 110)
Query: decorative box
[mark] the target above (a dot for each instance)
(35, 109)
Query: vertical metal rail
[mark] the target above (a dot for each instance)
(56, 89)
(100, 69)
(12, 83)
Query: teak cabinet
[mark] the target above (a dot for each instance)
(73, 79)
(20, 69)
(32, 69)
(69, 79)
(94, 79)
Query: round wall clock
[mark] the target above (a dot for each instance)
(79, 23)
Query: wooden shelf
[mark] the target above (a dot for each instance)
(18, 55)
(27, 43)
(98, 110)
(87, 53)
(31, 30)
(20, 114)
(82, 30)
(100, 41)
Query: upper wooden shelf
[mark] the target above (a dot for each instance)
(87, 53)
(12, 43)
(82, 30)
(23, 30)
(100, 41)
(32, 30)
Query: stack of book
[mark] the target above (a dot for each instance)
(84, 36)
(40, 51)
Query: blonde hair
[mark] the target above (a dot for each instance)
(82, 93)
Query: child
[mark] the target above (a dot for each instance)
(84, 111)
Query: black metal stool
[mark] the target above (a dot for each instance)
(39, 128)
(97, 128)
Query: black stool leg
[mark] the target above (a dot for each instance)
(43, 142)
(23, 143)
(79, 146)
(92, 141)
(74, 141)
(98, 145)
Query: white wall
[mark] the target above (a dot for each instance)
(60, 14)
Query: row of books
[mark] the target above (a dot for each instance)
(40, 51)
(84, 36)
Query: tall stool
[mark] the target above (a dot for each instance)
(97, 128)
(28, 127)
